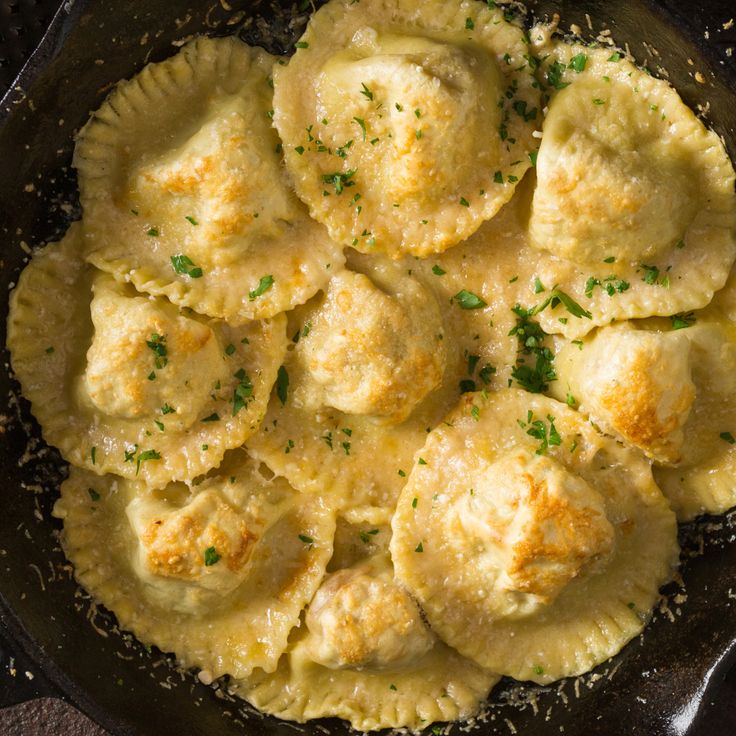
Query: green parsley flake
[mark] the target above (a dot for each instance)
(615, 56)
(366, 92)
(191, 220)
(145, 456)
(153, 232)
(264, 285)
(421, 461)
(419, 548)
(578, 62)
(438, 270)
(340, 180)
(555, 74)
(214, 417)
(282, 385)
(243, 391)
(682, 320)
(184, 265)
(211, 557)
(469, 24)
(93, 494)
(728, 437)
(538, 286)
(468, 300)
(157, 344)
(306, 539)
(93, 455)
(361, 123)
(301, 45)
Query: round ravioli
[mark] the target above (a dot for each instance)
(635, 384)
(372, 371)
(634, 198)
(129, 384)
(703, 479)
(183, 191)
(405, 123)
(217, 572)
(366, 655)
(535, 545)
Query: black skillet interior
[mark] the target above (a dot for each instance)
(655, 685)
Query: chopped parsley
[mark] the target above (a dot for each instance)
(340, 180)
(93, 455)
(554, 75)
(366, 92)
(153, 232)
(615, 56)
(365, 536)
(214, 417)
(301, 45)
(682, 320)
(361, 123)
(211, 557)
(728, 437)
(166, 409)
(264, 285)
(184, 265)
(469, 24)
(93, 494)
(438, 270)
(421, 461)
(243, 391)
(157, 343)
(419, 548)
(611, 284)
(229, 349)
(578, 62)
(538, 286)
(402, 474)
(282, 385)
(306, 539)
(145, 456)
(486, 373)
(468, 300)
(538, 670)
(536, 377)
(191, 220)
(598, 101)
(547, 437)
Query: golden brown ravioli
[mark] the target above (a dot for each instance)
(130, 384)
(183, 190)
(217, 573)
(406, 124)
(535, 545)
(365, 655)
(634, 198)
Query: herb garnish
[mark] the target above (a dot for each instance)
(682, 320)
(340, 179)
(184, 265)
(157, 343)
(468, 300)
(243, 391)
(144, 457)
(211, 557)
(282, 384)
(264, 285)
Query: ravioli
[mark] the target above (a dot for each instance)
(703, 479)
(366, 655)
(183, 190)
(635, 384)
(128, 384)
(634, 198)
(363, 386)
(406, 124)
(217, 573)
(535, 545)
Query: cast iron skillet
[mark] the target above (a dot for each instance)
(658, 682)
